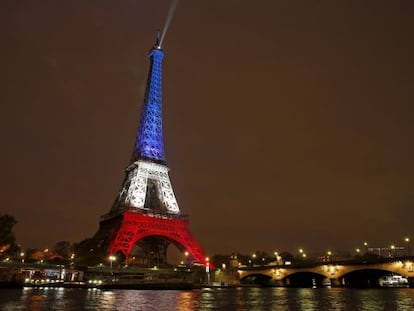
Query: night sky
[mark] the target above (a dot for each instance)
(287, 124)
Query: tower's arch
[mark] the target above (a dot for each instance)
(136, 227)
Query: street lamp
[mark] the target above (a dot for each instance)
(329, 253)
(254, 258)
(186, 257)
(392, 247)
(208, 269)
(407, 241)
(111, 258)
(366, 246)
(278, 258)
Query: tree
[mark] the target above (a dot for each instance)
(63, 249)
(7, 236)
(87, 252)
(34, 254)
(286, 256)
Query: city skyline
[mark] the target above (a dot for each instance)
(285, 125)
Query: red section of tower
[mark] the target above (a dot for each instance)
(135, 227)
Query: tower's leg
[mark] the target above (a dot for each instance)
(136, 227)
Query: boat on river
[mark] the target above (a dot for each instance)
(393, 281)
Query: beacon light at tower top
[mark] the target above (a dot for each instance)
(157, 44)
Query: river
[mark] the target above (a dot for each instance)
(230, 299)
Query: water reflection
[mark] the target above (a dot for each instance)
(188, 301)
(238, 299)
(107, 299)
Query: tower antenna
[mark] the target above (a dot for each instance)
(157, 42)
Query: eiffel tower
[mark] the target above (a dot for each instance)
(145, 212)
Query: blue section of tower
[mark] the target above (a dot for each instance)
(149, 142)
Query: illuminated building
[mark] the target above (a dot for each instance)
(146, 213)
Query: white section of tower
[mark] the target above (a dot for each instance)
(135, 188)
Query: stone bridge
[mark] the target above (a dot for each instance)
(336, 274)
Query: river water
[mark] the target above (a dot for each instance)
(260, 299)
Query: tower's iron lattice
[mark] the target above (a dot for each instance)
(146, 212)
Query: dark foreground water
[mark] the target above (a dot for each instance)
(208, 299)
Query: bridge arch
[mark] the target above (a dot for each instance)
(397, 267)
(261, 279)
(365, 277)
(305, 279)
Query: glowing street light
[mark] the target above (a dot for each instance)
(208, 269)
(278, 258)
(111, 258)
(392, 253)
(408, 251)
(186, 257)
(358, 250)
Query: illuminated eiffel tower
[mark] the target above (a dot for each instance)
(146, 212)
